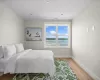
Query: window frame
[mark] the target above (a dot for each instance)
(56, 24)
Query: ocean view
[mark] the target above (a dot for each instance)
(57, 36)
(53, 42)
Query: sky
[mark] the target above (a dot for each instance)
(51, 31)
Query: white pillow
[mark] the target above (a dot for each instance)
(1, 52)
(9, 51)
(19, 47)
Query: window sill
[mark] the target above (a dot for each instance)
(56, 47)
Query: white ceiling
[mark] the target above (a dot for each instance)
(47, 9)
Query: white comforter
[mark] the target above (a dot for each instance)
(31, 61)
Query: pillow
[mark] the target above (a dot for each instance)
(1, 52)
(9, 51)
(19, 47)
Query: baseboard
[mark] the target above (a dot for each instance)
(87, 70)
(63, 56)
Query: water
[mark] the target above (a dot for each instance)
(59, 43)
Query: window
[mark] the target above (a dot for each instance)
(57, 35)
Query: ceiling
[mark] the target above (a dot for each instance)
(47, 9)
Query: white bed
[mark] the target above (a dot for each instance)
(30, 61)
(2, 64)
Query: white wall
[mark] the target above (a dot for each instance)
(58, 52)
(86, 45)
(11, 26)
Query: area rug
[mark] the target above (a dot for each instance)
(63, 72)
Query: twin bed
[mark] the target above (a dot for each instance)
(29, 61)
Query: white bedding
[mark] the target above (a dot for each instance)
(2, 64)
(31, 61)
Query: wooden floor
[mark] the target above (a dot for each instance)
(80, 73)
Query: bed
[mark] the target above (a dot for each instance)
(2, 64)
(30, 61)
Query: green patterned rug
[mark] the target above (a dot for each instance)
(63, 72)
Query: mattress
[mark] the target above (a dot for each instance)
(2, 64)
